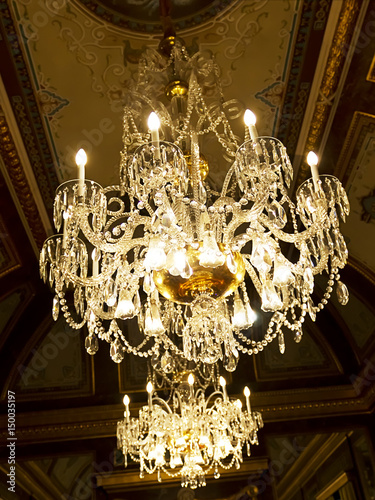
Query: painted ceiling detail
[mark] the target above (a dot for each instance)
(143, 16)
(66, 66)
(57, 365)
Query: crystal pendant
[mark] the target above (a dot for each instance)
(298, 336)
(116, 351)
(281, 343)
(110, 292)
(231, 263)
(91, 344)
(270, 299)
(277, 214)
(230, 361)
(210, 353)
(310, 309)
(342, 293)
(55, 308)
(148, 283)
(202, 195)
(178, 325)
(308, 279)
(155, 360)
(166, 362)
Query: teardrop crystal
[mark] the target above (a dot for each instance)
(298, 336)
(179, 325)
(91, 344)
(281, 343)
(310, 309)
(155, 360)
(342, 293)
(116, 351)
(55, 308)
(166, 362)
(230, 361)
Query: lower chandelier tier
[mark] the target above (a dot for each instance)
(191, 436)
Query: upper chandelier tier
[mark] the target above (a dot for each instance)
(183, 258)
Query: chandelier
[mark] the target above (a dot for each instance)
(191, 435)
(184, 259)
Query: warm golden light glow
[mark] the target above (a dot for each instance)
(153, 121)
(312, 159)
(250, 118)
(81, 158)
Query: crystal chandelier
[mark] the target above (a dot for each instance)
(191, 435)
(168, 249)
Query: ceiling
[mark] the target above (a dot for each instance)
(307, 70)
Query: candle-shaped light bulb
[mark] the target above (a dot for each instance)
(154, 124)
(149, 389)
(246, 392)
(250, 118)
(223, 384)
(126, 402)
(191, 381)
(312, 161)
(81, 160)
(250, 121)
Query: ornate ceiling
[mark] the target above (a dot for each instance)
(307, 69)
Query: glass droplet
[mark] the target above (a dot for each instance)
(342, 293)
(311, 309)
(298, 336)
(179, 325)
(230, 361)
(91, 344)
(166, 362)
(155, 360)
(281, 343)
(116, 351)
(308, 278)
(55, 308)
(110, 295)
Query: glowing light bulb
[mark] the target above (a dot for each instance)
(81, 160)
(149, 389)
(239, 318)
(223, 384)
(210, 254)
(312, 161)
(246, 392)
(126, 402)
(125, 307)
(250, 121)
(154, 124)
(250, 118)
